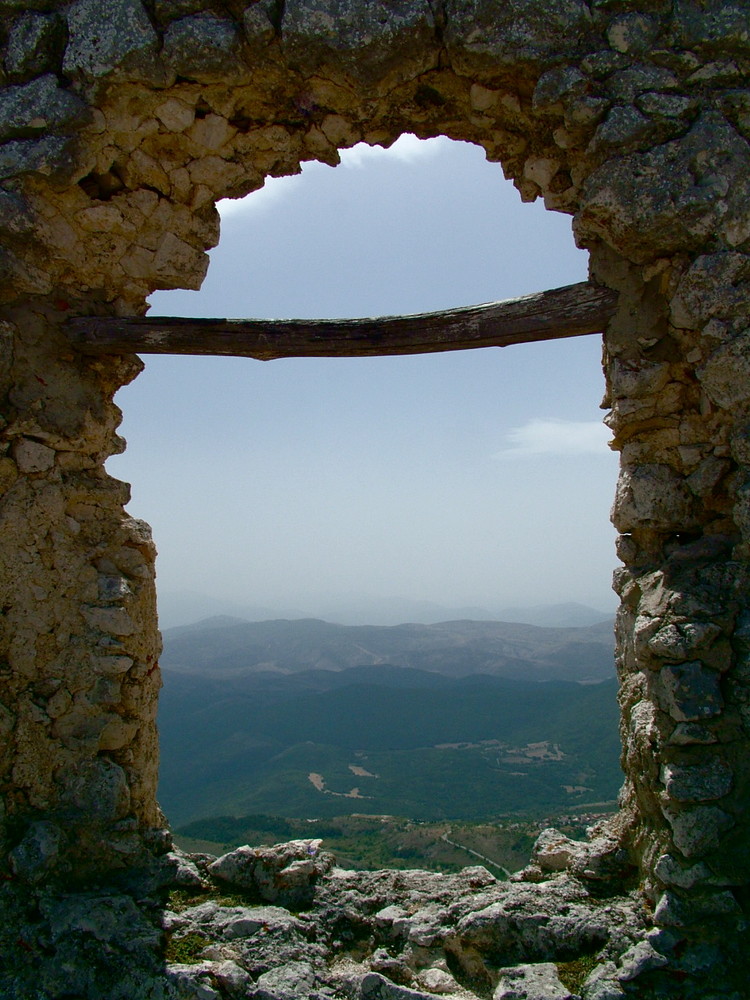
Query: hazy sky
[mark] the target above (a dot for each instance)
(474, 477)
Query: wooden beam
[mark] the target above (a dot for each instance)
(572, 311)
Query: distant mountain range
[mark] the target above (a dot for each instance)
(460, 720)
(185, 607)
(229, 647)
(566, 615)
(224, 647)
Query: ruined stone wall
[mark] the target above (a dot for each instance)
(123, 122)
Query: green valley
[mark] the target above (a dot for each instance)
(381, 738)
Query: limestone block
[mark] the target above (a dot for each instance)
(740, 445)
(531, 982)
(181, 186)
(105, 691)
(642, 734)
(143, 169)
(553, 851)
(368, 39)
(642, 957)
(691, 734)
(726, 375)
(38, 853)
(629, 82)
(522, 30)
(35, 45)
(637, 380)
(320, 147)
(684, 640)
(178, 265)
(632, 33)
(211, 132)
(697, 782)
(602, 859)
(713, 25)
(644, 628)
(698, 829)
(284, 873)
(560, 83)
(138, 262)
(78, 730)
(622, 128)
(113, 588)
(258, 22)
(674, 911)
(689, 692)
(655, 495)
(99, 788)
(100, 218)
(205, 48)
(339, 131)
(541, 170)
(114, 621)
(105, 35)
(191, 982)
(689, 195)
(482, 98)
(707, 477)
(118, 733)
(665, 105)
(672, 873)
(182, 870)
(437, 981)
(37, 106)
(32, 456)
(233, 979)
(602, 984)
(175, 115)
(292, 979)
(48, 155)
(138, 533)
(713, 286)
(586, 111)
(376, 987)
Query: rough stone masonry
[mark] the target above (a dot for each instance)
(121, 123)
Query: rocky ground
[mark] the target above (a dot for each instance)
(284, 923)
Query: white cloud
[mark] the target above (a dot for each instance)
(274, 190)
(406, 149)
(556, 437)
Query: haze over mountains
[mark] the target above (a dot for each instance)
(229, 647)
(186, 607)
(460, 719)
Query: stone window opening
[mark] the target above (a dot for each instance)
(500, 475)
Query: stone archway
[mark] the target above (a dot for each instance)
(122, 124)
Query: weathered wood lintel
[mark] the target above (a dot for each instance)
(572, 311)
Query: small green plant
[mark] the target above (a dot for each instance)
(185, 950)
(573, 974)
(181, 899)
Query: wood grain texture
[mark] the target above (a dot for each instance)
(572, 311)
